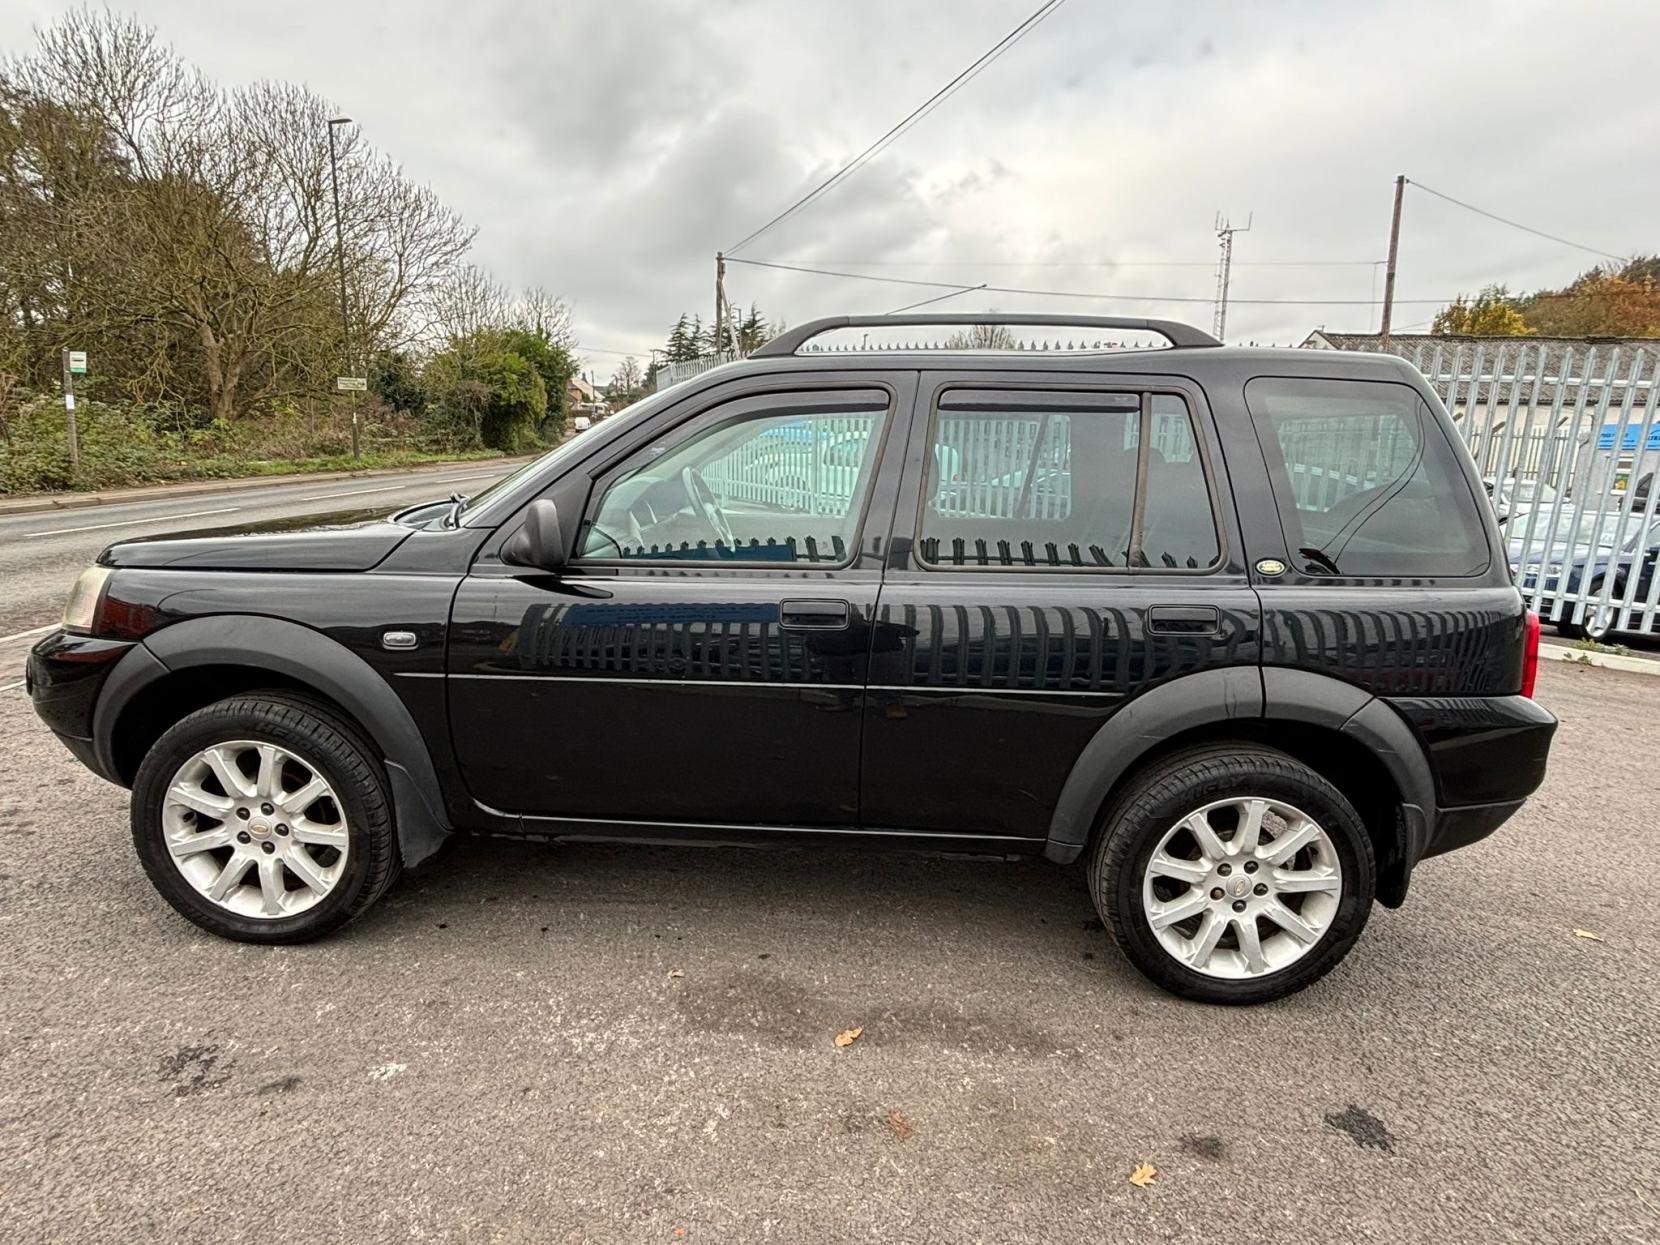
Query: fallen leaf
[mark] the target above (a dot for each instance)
(899, 1126)
(1587, 934)
(849, 1036)
(1143, 1175)
(675, 972)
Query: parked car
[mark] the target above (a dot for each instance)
(1510, 496)
(1250, 710)
(1598, 559)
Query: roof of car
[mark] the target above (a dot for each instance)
(1165, 360)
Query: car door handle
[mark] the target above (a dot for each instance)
(1185, 620)
(814, 615)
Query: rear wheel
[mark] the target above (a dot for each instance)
(1233, 874)
(265, 819)
(1599, 619)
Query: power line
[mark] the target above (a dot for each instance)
(1099, 263)
(922, 110)
(1131, 298)
(1538, 233)
(937, 298)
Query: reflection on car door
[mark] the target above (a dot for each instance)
(685, 675)
(1075, 558)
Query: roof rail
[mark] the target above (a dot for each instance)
(1181, 336)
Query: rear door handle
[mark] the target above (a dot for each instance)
(1185, 620)
(815, 615)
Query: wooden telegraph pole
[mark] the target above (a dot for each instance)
(1389, 272)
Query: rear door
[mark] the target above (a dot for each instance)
(1392, 578)
(1060, 546)
(702, 660)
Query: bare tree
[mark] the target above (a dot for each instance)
(189, 232)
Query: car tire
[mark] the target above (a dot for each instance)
(1327, 884)
(299, 881)
(1597, 631)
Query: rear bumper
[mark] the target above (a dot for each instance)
(1482, 750)
(1487, 754)
(1459, 827)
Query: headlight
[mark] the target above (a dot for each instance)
(81, 613)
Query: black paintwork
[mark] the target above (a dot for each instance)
(353, 540)
(963, 709)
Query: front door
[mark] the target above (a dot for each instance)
(1059, 548)
(702, 660)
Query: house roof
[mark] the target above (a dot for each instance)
(1555, 362)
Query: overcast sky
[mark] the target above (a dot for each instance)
(606, 149)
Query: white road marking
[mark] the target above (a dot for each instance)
(157, 519)
(12, 687)
(385, 488)
(24, 635)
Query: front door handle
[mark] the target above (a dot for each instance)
(1185, 620)
(815, 615)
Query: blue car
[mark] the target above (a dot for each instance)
(1585, 552)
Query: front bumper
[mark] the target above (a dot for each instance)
(64, 677)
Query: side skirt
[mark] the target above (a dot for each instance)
(718, 834)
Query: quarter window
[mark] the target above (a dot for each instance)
(1366, 482)
(1080, 480)
(785, 484)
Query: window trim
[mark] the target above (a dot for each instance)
(1054, 396)
(1279, 486)
(781, 400)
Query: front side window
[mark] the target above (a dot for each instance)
(785, 483)
(1028, 479)
(1369, 485)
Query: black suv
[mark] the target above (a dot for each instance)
(1233, 625)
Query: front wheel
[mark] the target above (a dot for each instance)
(265, 819)
(1233, 874)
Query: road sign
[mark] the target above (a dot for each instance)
(347, 383)
(77, 361)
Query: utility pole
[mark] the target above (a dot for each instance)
(1225, 231)
(720, 303)
(1389, 272)
(340, 264)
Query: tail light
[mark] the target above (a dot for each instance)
(1530, 655)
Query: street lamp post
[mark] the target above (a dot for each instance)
(340, 265)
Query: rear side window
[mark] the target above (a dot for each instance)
(1033, 479)
(1366, 481)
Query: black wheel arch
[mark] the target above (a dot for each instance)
(180, 668)
(1357, 741)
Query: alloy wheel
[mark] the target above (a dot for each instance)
(255, 828)
(1242, 887)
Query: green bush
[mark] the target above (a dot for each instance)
(134, 444)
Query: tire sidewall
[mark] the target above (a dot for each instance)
(221, 724)
(1175, 801)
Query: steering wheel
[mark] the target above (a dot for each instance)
(702, 498)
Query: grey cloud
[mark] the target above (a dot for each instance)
(607, 148)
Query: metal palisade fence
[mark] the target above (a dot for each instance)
(1567, 440)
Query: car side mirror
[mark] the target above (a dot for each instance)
(539, 544)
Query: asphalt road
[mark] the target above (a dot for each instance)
(532, 1044)
(41, 553)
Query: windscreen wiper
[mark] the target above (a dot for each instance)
(1320, 558)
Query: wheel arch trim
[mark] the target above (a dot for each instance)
(312, 660)
(1254, 694)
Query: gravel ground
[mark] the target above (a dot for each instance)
(531, 1044)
